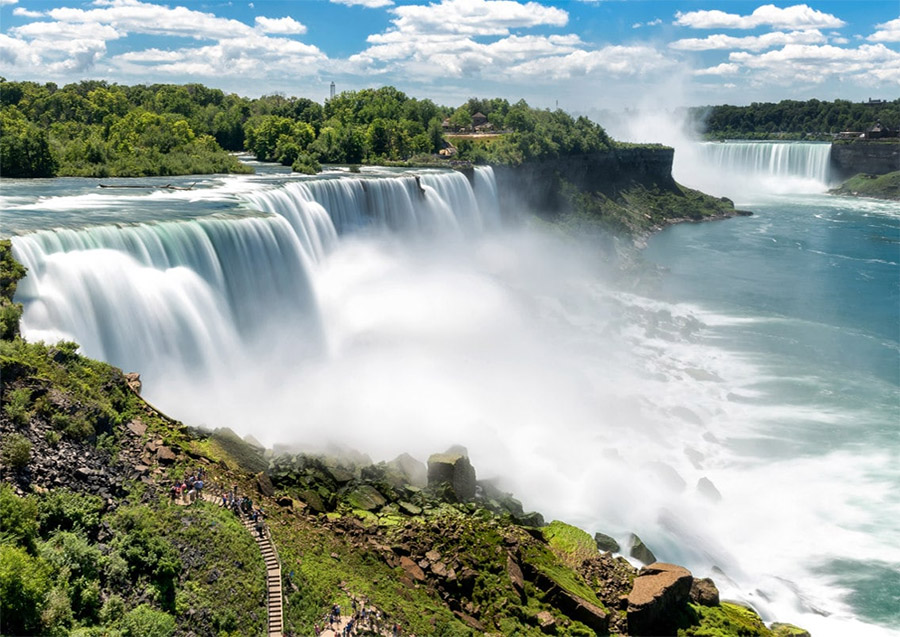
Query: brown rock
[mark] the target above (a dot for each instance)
(412, 569)
(704, 592)
(546, 622)
(137, 427)
(134, 381)
(469, 621)
(433, 555)
(516, 577)
(660, 591)
(264, 485)
(640, 551)
(286, 502)
(165, 455)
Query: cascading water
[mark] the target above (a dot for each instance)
(302, 312)
(738, 167)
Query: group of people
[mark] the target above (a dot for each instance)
(189, 489)
(230, 500)
(362, 621)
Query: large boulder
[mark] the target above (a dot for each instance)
(452, 469)
(606, 543)
(704, 592)
(264, 485)
(660, 592)
(640, 551)
(413, 470)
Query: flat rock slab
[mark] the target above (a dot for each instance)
(660, 591)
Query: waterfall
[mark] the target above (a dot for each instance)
(199, 293)
(739, 166)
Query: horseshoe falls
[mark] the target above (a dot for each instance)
(737, 408)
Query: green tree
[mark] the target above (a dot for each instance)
(24, 149)
(24, 583)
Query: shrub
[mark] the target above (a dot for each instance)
(64, 510)
(113, 610)
(144, 621)
(306, 164)
(18, 519)
(15, 451)
(17, 406)
(24, 581)
(57, 614)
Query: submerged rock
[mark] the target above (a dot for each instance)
(660, 592)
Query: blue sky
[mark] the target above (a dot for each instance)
(582, 55)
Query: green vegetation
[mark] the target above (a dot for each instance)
(636, 208)
(724, 620)
(875, 186)
(792, 119)
(97, 129)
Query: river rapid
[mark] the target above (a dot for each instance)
(737, 408)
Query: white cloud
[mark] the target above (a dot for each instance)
(475, 17)
(799, 16)
(370, 4)
(614, 60)
(887, 32)
(73, 41)
(725, 68)
(815, 64)
(651, 23)
(5, 2)
(25, 13)
(839, 40)
(748, 43)
(281, 26)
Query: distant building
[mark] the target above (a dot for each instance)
(332, 90)
(872, 102)
(880, 132)
(479, 119)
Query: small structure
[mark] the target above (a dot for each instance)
(446, 125)
(880, 132)
(332, 90)
(479, 119)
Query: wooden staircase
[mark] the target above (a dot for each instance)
(273, 571)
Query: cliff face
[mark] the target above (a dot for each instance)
(536, 186)
(873, 158)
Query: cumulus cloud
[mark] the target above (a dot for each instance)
(72, 40)
(816, 64)
(886, 32)
(475, 17)
(5, 2)
(613, 60)
(25, 13)
(282, 26)
(799, 16)
(725, 68)
(750, 42)
(370, 4)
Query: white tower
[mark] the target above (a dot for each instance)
(332, 90)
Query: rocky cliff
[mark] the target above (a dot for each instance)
(872, 158)
(538, 186)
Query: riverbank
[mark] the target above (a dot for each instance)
(871, 186)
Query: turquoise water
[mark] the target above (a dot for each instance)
(816, 282)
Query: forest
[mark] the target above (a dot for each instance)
(792, 119)
(97, 129)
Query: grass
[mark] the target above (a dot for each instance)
(875, 186)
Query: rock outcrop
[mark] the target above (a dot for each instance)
(452, 469)
(640, 551)
(661, 591)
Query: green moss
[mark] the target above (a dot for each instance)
(725, 620)
(570, 543)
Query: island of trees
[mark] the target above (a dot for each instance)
(97, 129)
(792, 119)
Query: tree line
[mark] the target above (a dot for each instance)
(97, 129)
(794, 119)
